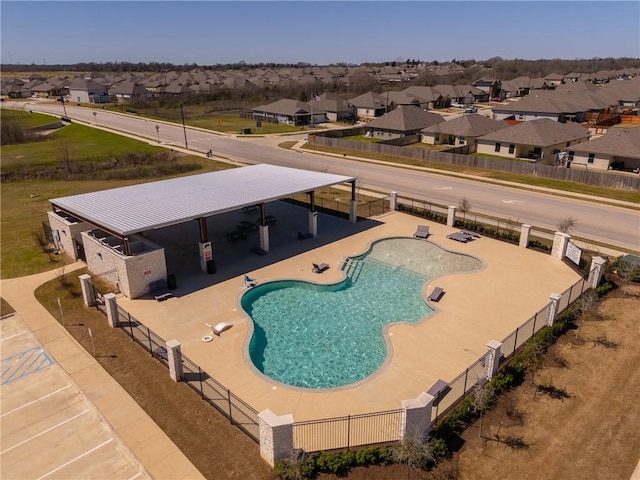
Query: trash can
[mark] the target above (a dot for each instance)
(171, 282)
(211, 267)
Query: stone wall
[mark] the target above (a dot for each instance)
(65, 229)
(135, 272)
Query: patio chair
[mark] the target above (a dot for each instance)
(459, 237)
(422, 232)
(249, 282)
(436, 295)
(320, 268)
(220, 327)
(304, 236)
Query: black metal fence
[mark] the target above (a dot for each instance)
(349, 431)
(384, 427)
(239, 413)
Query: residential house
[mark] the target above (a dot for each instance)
(289, 111)
(401, 122)
(518, 87)
(129, 90)
(88, 91)
(558, 105)
(490, 85)
(461, 131)
(336, 109)
(618, 149)
(554, 79)
(429, 97)
(539, 140)
(368, 105)
(464, 94)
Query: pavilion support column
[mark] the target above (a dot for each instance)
(126, 246)
(313, 223)
(204, 245)
(264, 237)
(206, 254)
(353, 204)
(313, 215)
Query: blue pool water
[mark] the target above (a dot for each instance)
(322, 336)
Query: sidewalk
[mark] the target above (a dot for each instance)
(150, 445)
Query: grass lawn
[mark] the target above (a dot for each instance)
(25, 202)
(84, 143)
(201, 116)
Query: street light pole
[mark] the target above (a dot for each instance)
(186, 145)
(158, 132)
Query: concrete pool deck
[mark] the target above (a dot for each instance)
(477, 307)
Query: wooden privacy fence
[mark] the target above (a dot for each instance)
(588, 177)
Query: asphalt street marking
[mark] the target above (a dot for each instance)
(77, 458)
(42, 433)
(34, 401)
(12, 336)
(512, 201)
(135, 476)
(443, 188)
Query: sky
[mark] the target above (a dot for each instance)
(314, 32)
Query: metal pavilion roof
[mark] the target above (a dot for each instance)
(136, 208)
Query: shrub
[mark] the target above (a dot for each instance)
(336, 463)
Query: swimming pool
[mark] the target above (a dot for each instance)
(324, 336)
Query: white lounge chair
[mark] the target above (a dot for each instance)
(220, 327)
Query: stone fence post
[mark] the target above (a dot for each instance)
(174, 358)
(112, 309)
(88, 295)
(553, 308)
(393, 201)
(276, 436)
(525, 231)
(451, 216)
(560, 242)
(596, 271)
(417, 416)
(492, 359)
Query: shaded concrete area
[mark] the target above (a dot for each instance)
(478, 307)
(235, 258)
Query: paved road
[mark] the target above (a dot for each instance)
(596, 221)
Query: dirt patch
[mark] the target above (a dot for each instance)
(584, 422)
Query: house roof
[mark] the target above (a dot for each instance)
(405, 119)
(136, 208)
(471, 125)
(542, 132)
(287, 106)
(368, 100)
(621, 142)
(128, 87)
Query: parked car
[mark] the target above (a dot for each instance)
(471, 109)
(457, 105)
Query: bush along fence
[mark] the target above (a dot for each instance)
(279, 435)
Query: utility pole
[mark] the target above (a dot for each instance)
(186, 145)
